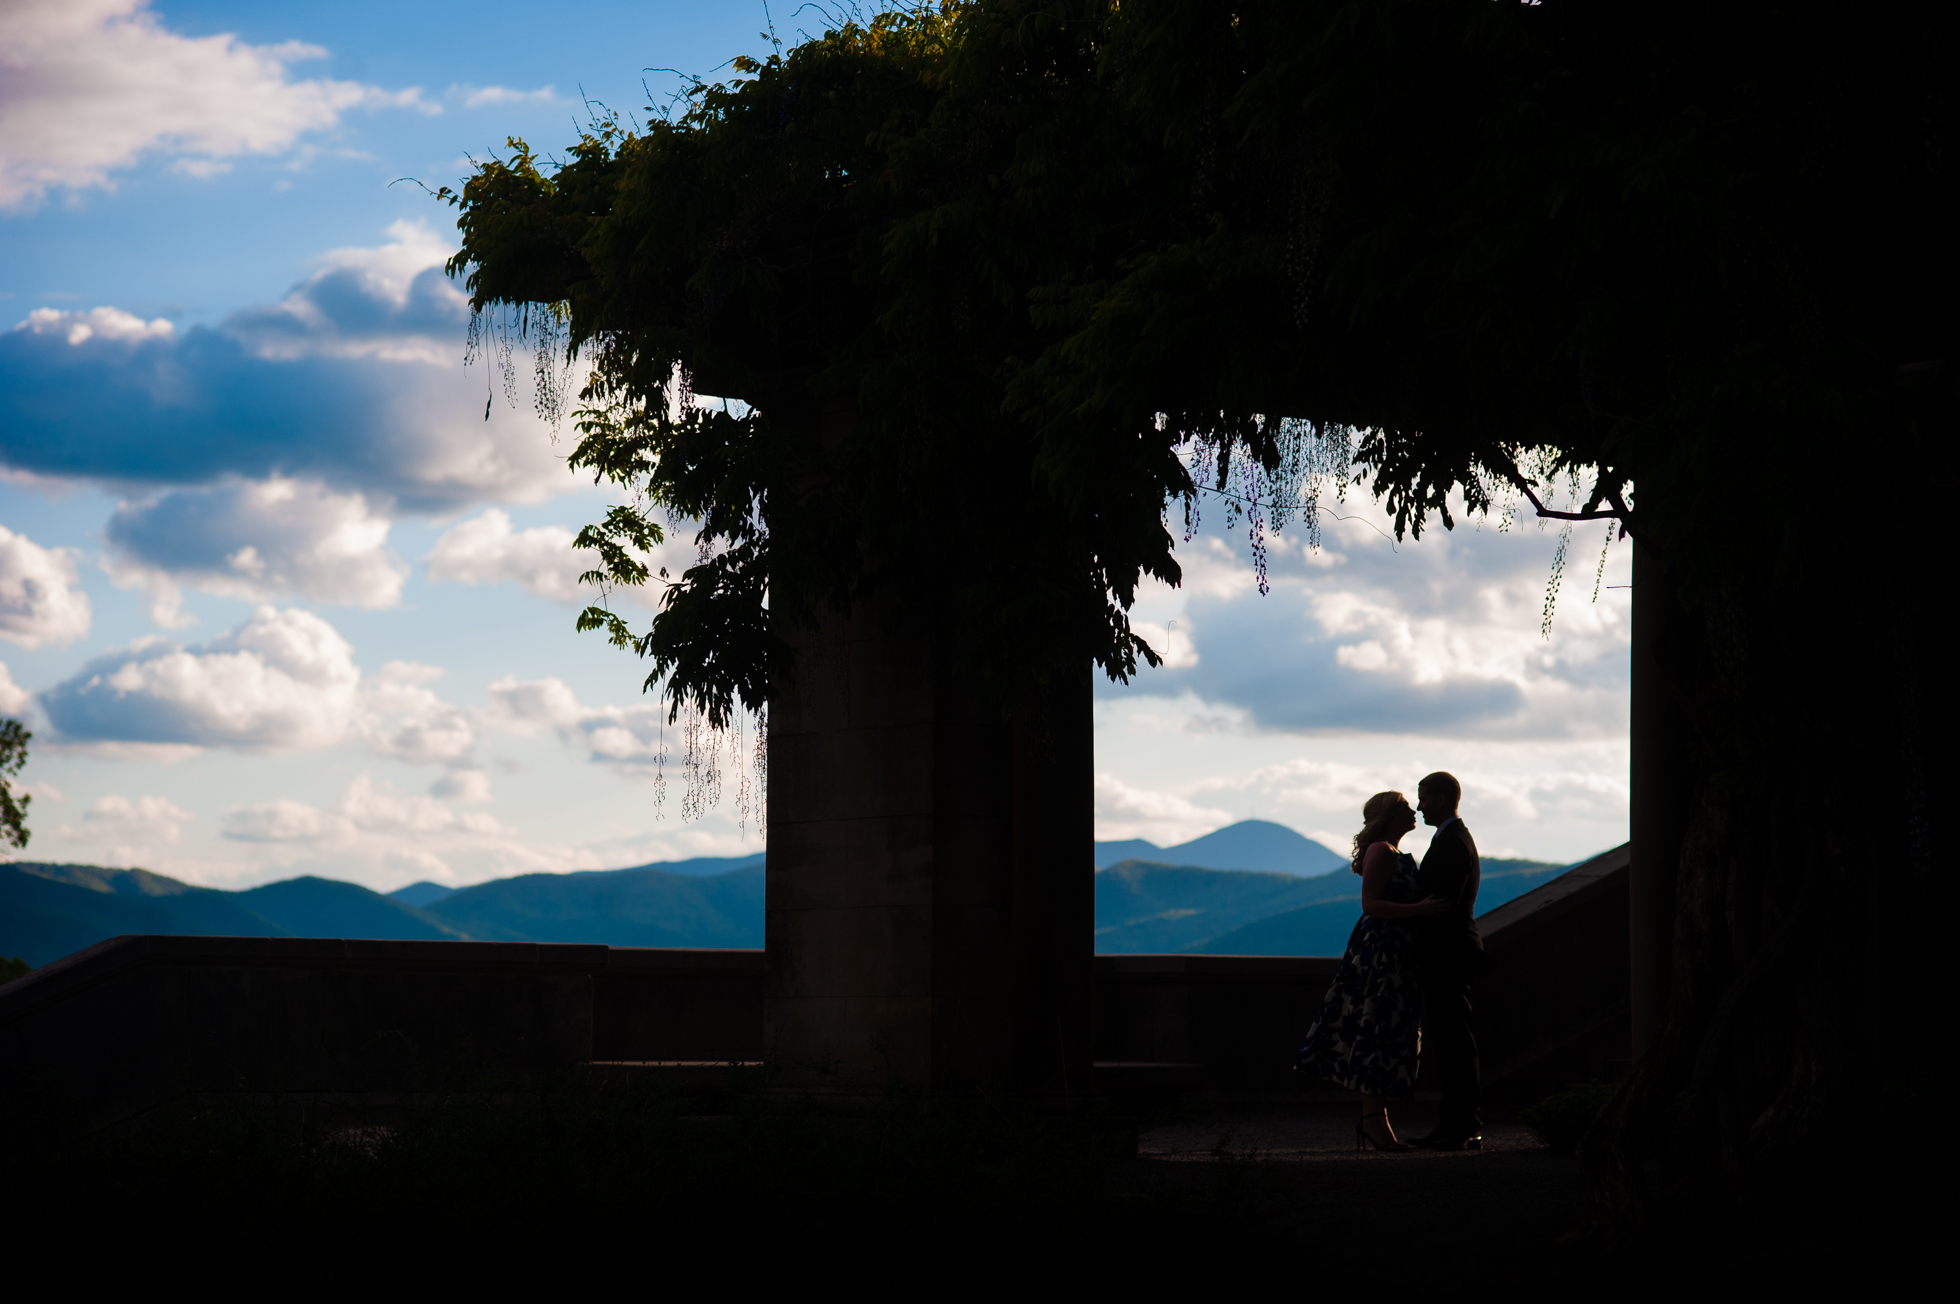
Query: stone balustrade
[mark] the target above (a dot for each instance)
(133, 1023)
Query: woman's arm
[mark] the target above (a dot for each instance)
(1377, 871)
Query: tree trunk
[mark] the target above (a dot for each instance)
(1795, 783)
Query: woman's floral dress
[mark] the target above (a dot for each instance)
(1369, 1032)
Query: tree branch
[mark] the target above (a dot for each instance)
(1620, 512)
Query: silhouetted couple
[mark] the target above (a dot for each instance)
(1407, 972)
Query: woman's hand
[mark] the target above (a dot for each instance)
(1430, 905)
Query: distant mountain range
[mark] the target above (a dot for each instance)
(1249, 844)
(426, 893)
(1145, 907)
(48, 911)
(1142, 903)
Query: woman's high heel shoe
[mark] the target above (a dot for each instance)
(1361, 1133)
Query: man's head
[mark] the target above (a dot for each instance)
(1437, 796)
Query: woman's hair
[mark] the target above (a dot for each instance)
(1377, 813)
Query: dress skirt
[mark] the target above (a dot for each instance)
(1369, 1033)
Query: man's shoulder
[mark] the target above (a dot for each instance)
(1451, 844)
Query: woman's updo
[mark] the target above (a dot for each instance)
(1380, 809)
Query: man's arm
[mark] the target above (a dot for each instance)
(1471, 870)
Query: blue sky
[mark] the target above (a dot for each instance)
(277, 599)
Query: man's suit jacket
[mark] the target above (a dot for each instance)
(1448, 945)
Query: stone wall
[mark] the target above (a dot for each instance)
(111, 1032)
(1553, 1012)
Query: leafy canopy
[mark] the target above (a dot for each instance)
(989, 279)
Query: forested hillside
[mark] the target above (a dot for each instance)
(48, 911)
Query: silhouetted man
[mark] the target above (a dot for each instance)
(1449, 956)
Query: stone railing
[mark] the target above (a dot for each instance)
(131, 1023)
(1553, 1012)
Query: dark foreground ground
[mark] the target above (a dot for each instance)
(1509, 1221)
(602, 1185)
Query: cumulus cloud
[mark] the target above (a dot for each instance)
(1165, 818)
(1507, 791)
(378, 809)
(543, 561)
(146, 819)
(364, 809)
(14, 700)
(354, 381)
(40, 601)
(1170, 642)
(486, 550)
(390, 301)
(255, 540)
(284, 681)
(102, 324)
(405, 719)
(89, 87)
(1437, 637)
(468, 787)
(628, 738)
(279, 820)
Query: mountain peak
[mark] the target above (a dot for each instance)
(1248, 844)
(421, 894)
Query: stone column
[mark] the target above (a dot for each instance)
(1661, 742)
(930, 889)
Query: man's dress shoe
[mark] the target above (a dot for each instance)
(1441, 1140)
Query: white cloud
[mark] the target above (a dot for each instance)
(1165, 818)
(1548, 798)
(487, 551)
(279, 820)
(40, 600)
(14, 700)
(403, 719)
(367, 815)
(633, 741)
(628, 738)
(284, 681)
(1369, 664)
(470, 787)
(1511, 792)
(354, 382)
(256, 540)
(1169, 641)
(391, 302)
(481, 97)
(379, 809)
(146, 819)
(531, 706)
(1438, 637)
(78, 326)
(89, 87)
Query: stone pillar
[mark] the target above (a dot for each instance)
(930, 912)
(1662, 743)
(1054, 890)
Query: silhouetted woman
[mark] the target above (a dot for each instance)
(1369, 1034)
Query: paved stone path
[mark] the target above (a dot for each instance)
(1323, 1133)
(1281, 1187)
(1286, 1183)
